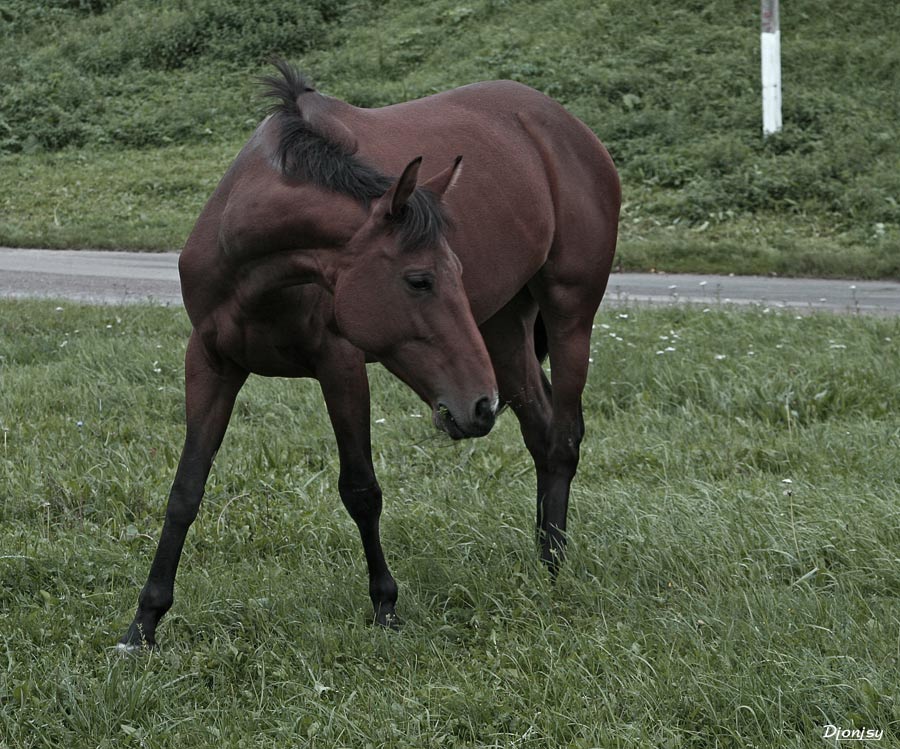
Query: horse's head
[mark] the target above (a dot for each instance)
(400, 297)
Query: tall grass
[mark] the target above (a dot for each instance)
(732, 579)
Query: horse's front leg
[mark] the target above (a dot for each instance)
(345, 386)
(210, 391)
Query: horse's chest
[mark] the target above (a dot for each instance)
(276, 342)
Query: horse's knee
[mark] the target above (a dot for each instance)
(184, 504)
(363, 502)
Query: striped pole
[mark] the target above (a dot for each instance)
(770, 45)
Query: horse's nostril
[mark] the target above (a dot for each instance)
(484, 415)
(484, 409)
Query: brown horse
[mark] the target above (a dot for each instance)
(308, 261)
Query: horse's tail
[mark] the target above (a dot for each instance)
(540, 338)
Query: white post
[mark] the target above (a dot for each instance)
(770, 44)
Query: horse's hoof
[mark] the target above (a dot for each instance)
(135, 640)
(126, 650)
(388, 620)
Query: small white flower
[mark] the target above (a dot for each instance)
(719, 357)
(787, 481)
(670, 348)
(58, 309)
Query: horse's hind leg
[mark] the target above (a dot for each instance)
(567, 312)
(345, 386)
(510, 340)
(210, 391)
(569, 344)
(550, 417)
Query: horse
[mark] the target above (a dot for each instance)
(312, 258)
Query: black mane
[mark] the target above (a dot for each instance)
(306, 154)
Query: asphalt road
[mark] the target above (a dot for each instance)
(101, 277)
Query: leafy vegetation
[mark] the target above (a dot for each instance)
(671, 88)
(732, 580)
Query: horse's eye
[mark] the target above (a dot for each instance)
(420, 282)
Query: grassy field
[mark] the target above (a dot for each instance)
(117, 116)
(732, 581)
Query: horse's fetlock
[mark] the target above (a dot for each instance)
(155, 598)
(383, 592)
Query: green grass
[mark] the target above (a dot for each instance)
(101, 97)
(136, 199)
(706, 601)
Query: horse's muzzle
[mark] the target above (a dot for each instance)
(477, 423)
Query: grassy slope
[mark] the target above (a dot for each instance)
(706, 602)
(149, 107)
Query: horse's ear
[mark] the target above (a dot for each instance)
(402, 189)
(441, 183)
